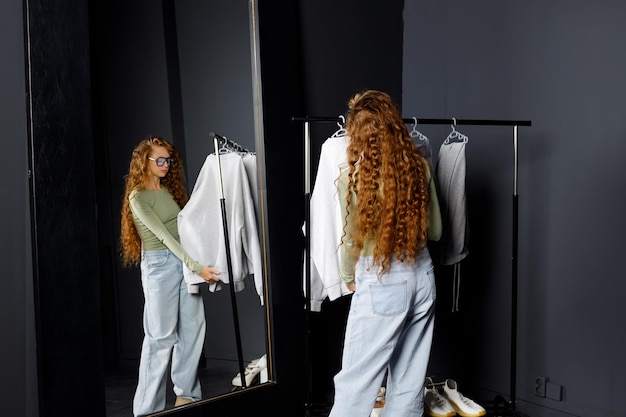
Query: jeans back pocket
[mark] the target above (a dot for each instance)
(389, 299)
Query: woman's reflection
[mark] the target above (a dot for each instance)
(200, 58)
(173, 319)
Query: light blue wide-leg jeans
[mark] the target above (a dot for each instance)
(389, 328)
(174, 327)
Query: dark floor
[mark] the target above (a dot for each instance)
(215, 379)
(494, 409)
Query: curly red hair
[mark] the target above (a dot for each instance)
(391, 183)
(138, 173)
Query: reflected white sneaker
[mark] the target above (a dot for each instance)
(256, 369)
(435, 404)
(463, 406)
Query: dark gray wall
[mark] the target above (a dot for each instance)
(18, 392)
(560, 64)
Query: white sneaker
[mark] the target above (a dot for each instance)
(380, 403)
(382, 391)
(435, 404)
(463, 406)
(377, 412)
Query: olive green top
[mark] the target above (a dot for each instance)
(347, 261)
(155, 214)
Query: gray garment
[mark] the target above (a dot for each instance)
(451, 178)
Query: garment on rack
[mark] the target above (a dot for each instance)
(423, 145)
(201, 228)
(326, 225)
(249, 162)
(451, 166)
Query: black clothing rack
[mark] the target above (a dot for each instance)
(221, 143)
(499, 400)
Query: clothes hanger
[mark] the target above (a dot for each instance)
(421, 138)
(422, 143)
(228, 146)
(342, 129)
(455, 135)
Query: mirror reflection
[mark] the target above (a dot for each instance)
(206, 54)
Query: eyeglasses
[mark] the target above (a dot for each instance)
(160, 161)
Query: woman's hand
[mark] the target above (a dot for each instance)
(209, 274)
(351, 286)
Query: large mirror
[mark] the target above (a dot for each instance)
(183, 69)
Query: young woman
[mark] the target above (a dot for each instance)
(385, 194)
(173, 319)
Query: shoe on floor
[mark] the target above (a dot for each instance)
(435, 404)
(380, 403)
(380, 398)
(256, 370)
(377, 412)
(463, 405)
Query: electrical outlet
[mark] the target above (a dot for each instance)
(540, 386)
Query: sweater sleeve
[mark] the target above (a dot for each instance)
(435, 226)
(346, 255)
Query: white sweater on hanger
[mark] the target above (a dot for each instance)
(250, 163)
(201, 228)
(326, 225)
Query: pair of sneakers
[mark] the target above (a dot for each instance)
(450, 403)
